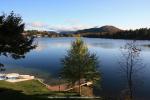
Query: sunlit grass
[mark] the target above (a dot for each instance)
(31, 90)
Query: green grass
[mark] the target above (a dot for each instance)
(27, 90)
(28, 87)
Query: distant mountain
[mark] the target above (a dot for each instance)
(52, 32)
(67, 32)
(103, 29)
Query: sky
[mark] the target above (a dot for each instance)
(61, 15)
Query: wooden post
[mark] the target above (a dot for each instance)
(59, 82)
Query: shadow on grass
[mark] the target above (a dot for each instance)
(9, 94)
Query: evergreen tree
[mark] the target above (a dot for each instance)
(79, 64)
(12, 42)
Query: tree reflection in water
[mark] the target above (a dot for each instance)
(131, 65)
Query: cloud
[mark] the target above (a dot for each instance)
(37, 24)
(72, 25)
(68, 27)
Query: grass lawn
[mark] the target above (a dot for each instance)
(27, 90)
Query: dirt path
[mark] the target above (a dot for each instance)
(61, 87)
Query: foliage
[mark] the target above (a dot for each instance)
(41, 33)
(80, 64)
(49, 34)
(11, 39)
(138, 34)
(11, 25)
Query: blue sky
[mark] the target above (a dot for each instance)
(79, 14)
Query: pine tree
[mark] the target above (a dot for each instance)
(79, 64)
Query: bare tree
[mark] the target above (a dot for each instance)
(131, 64)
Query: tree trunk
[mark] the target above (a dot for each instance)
(80, 87)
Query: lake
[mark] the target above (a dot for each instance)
(44, 62)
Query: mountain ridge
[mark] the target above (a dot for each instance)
(103, 29)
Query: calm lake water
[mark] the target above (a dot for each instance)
(44, 62)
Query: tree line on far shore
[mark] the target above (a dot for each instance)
(47, 34)
(138, 34)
